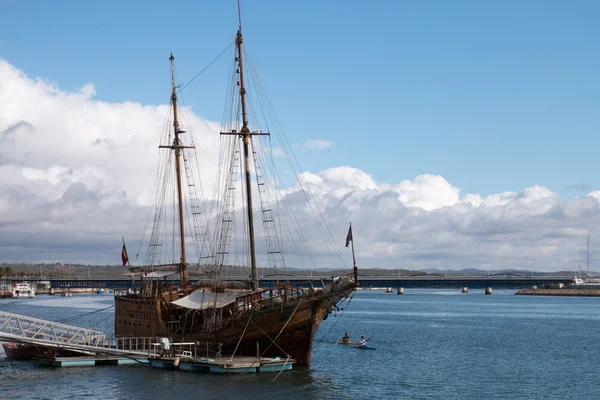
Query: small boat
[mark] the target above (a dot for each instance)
(23, 289)
(28, 351)
(366, 348)
(24, 351)
(342, 342)
(67, 293)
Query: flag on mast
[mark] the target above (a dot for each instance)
(349, 236)
(124, 257)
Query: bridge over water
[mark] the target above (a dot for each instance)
(423, 282)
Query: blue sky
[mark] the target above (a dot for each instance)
(493, 96)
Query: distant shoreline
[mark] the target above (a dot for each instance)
(560, 292)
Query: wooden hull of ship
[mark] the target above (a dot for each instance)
(293, 325)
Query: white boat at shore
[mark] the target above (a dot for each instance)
(22, 290)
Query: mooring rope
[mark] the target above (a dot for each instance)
(62, 321)
(281, 331)
(239, 341)
(269, 337)
(282, 368)
(336, 321)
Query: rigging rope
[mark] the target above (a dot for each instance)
(293, 162)
(205, 68)
(335, 323)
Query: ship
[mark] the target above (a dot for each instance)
(217, 314)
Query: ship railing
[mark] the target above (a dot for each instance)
(154, 346)
(166, 348)
(143, 344)
(268, 297)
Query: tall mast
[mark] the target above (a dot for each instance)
(239, 41)
(177, 146)
(588, 256)
(245, 134)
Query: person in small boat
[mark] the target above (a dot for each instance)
(362, 342)
(346, 338)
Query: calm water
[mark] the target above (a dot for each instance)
(431, 344)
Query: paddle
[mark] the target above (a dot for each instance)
(369, 338)
(366, 347)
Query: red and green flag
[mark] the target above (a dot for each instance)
(124, 257)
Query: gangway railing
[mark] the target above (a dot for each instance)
(28, 327)
(23, 329)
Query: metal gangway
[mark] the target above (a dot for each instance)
(21, 329)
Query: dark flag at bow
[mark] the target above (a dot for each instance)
(349, 236)
(348, 240)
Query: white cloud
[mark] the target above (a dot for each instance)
(77, 173)
(427, 222)
(73, 167)
(278, 152)
(595, 194)
(318, 144)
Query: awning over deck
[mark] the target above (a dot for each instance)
(202, 300)
(160, 274)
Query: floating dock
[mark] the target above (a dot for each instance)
(223, 365)
(88, 361)
(96, 349)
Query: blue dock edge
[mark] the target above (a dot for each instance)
(162, 363)
(58, 362)
(207, 365)
(202, 365)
